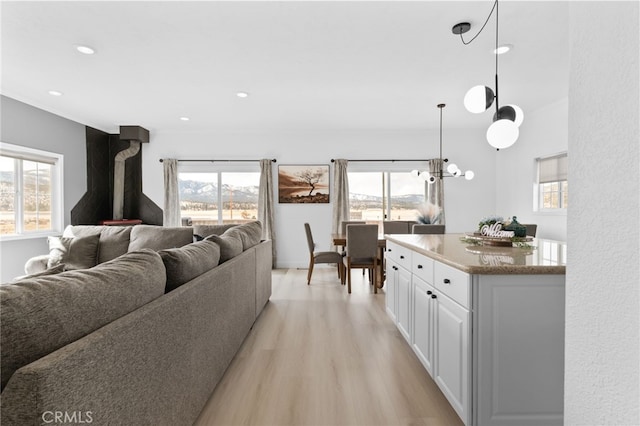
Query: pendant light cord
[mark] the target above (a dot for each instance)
(441, 166)
(496, 53)
(485, 23)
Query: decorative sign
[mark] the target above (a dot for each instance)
(495, 231)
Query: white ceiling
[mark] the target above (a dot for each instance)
(306, 65)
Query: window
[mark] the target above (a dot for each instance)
(552, 187)
(30, 192)
(378, 196)
(202, 194)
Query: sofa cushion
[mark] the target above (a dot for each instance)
(249, 233)
(76, 253)
(114, 240)
(159, 237)
(40, 315)
(230, 245)
(187, 262)
(206, 230)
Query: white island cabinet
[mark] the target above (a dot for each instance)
(487, 323)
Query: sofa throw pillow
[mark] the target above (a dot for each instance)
(185, 263)
(40, 315)
(206, 230)
(249, 233)
(230, 246)
(159, 237)
(114, 240)
(76, 253)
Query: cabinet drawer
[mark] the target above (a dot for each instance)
(422, 267)
(400, 255)
(452, 282)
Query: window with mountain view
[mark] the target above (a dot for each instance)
(30, 191)
(219, 197)
(378, 196)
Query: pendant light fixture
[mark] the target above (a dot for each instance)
(504, 130)
(452, 169)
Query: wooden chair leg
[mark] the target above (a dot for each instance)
(375, 277)
(349, 275)
(310, 271)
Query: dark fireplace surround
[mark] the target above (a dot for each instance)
(96, 205)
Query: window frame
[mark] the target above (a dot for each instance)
(385, 170)
(218, 169)
(20, 154)
(538, 197)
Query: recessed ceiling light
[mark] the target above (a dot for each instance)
(503, 49)
(242, 94)
(55, 93)
(85, 49)
(184, 118)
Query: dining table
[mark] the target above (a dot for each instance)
(341, 240)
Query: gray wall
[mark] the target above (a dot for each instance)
(24, 125)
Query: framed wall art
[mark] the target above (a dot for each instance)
(303, 184)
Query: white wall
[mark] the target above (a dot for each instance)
(25, 125)
(544, 132)
(602, 351)
(465, 201)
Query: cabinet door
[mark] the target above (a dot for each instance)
(404, 303)
(452, 350)
(391, 288)
(423, 322)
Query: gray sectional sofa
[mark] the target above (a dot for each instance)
(142, 338)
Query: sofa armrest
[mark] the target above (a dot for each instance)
(36, 264)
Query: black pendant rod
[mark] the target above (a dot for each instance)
(220, 161)
(496, 53)
(441, 169)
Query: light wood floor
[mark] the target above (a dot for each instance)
(318, 356)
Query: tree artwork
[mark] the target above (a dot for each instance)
(303, 184)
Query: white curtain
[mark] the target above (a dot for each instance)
(340, 195)
(435, 191)
(266, 206)
(171, 215)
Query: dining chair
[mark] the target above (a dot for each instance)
(423, 228)
(396, 227)
(531, 229)
(362, 252)
(344, 223)
(321, 256)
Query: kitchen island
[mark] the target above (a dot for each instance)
(486, 322)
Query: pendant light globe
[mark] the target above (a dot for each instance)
(519, 114)
(478, 99)
(502, 133)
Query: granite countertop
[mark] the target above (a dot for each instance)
(543, 257)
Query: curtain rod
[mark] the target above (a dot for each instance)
(226, 161)
(392, 161)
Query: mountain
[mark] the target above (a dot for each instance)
(207, 192)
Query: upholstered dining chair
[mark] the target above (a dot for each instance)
(396, 227)
(344, 223)
(531, 229)
(423, 228)
(362, 252)
(321, 256)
